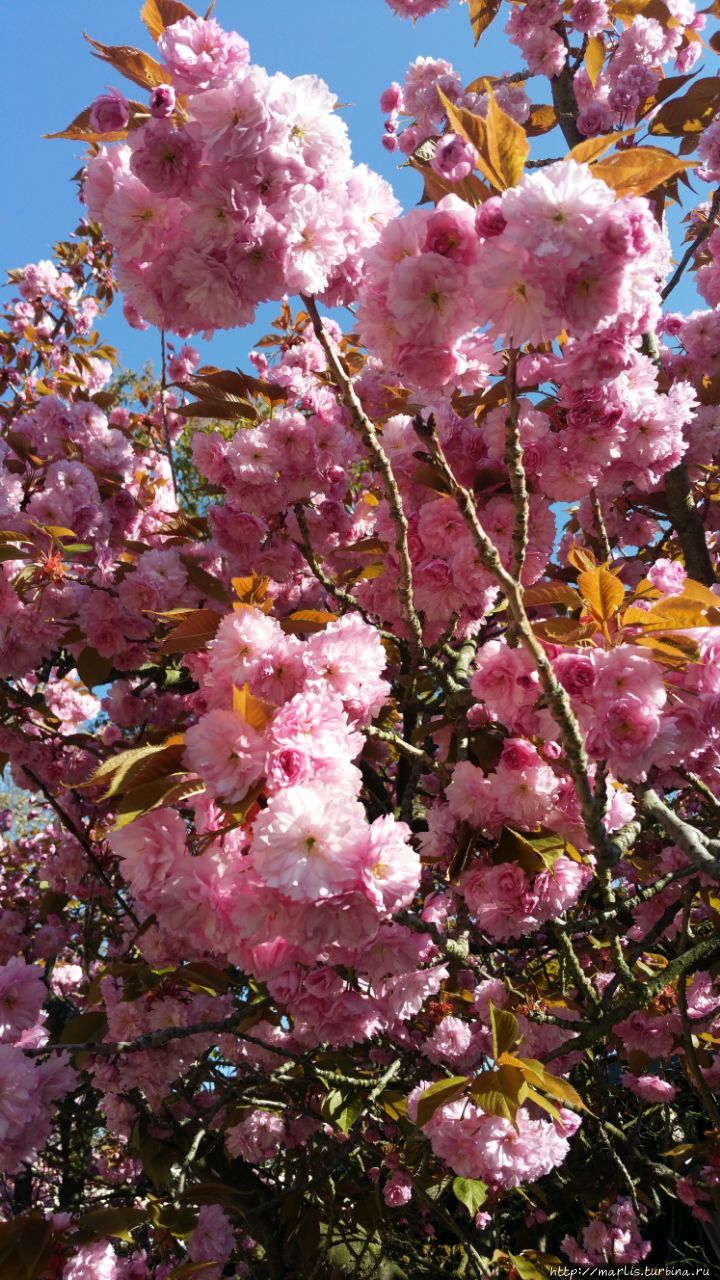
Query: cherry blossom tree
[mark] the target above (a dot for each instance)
(360, 712)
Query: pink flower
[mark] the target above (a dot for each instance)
(451, 232)
(398, 1190)
(162, 101)
(650, 1088)
(22, 994)
(449, 1042)
(428, 301)
(167, 160)
(307, 845)
(227, 753)
(669, 576)
(560, 887)
(212, 1240)
(454, 158)
(96, 1261)
(18, 1099)
(415, 8)
(150, 848)
(500, 899)
(110, 112)
(505, 680)
(348, 656)
(391, 874)
(199, 53)
(257, 1138)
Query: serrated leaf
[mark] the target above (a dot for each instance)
(438, 1095)
(505, 1030)
(93, 668)
(691, 113)
(81, 130)
(131, 63)
(342, 1109)
(206, 584)
(471, 1192)
(545, 1105)
(159, 14)
(119, 1223)
(591, 148)
(541, 120)
(306, 622)
(602, 592)
(482, 13)
(540, 1078)
(194, 631)
(500, 1091)
(552, 592)
(594, 58)
(528, 1270)
(85, 1028)
(143, 799)
(507, 141)
(252, 590)
(254, 710)
(563, 630)
(136, 765)
(473, 129)
(638, 170)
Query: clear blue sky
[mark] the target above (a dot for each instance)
(48, 75)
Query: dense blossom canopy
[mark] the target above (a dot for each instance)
(360, 840)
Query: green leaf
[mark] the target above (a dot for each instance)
(342, 1109)
(25, 1247)
(505, 1030)
(87, 1027)
(93, 668)
(117, 1222)
(149, 796)
(138, 765)
(500, 1092)
(470, 1192)
(437, 1095)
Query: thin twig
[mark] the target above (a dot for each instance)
(163, 412)
(600, 525)
(516, 471)
(686, 837)
(692, 248)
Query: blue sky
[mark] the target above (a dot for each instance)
(48, 75)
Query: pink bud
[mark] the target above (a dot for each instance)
(162, 101)
(109, 112)
(391, 98)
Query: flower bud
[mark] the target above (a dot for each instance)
(162, 101)
(109, 112)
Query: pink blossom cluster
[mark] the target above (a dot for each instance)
(620, 697)
(632, 72)
(247, 194)
(612, 1237)
(29, 1088)
(557, 252)
(479, 1145)
(308, 868)
(418, 104)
